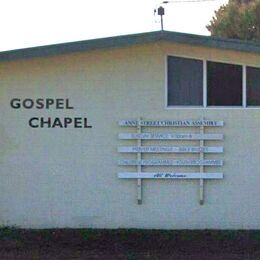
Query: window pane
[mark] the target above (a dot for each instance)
(224, 84)
(185, 82)
(253, 86)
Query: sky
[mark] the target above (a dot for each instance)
(29, 23)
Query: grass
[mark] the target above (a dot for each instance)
(10, 233)
(129, 243)
(132, 235)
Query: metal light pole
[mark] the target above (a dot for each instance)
(160, 11)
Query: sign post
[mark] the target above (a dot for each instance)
(201, 168)
(139, 167)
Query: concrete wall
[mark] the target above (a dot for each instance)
(68, 177)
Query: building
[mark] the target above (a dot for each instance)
(180, 110)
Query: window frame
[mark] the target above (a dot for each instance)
(204, 80)
(191, 106)
(245, 94)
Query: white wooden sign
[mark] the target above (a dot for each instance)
(170, 175)
(196, 133)
(170, 149)
(171, 162)
(170, 136)
(171, 123)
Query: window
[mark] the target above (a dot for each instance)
(224, 84)
(253, 86)
(185, 82)
(194, 82)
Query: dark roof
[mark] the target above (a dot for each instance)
(127, 40)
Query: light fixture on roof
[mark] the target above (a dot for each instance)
(160, 11)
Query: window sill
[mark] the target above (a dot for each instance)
(212, 107)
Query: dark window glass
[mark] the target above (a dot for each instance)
(185, 82)
(253, 86)
(224, 84)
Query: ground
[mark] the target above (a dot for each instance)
(128, 244)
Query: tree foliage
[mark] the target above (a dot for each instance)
(239, 19)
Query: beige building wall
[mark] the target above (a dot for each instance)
(68, 177)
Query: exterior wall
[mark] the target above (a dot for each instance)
(68, 177)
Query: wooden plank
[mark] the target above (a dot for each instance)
(139, 167)
(170, 136)
(170, 149)
(170, 175)
(170, 162)
(202, 143)
(182, 123)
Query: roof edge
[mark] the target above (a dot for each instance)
(78, 46)
(131, 39)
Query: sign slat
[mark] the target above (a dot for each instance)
(171, 162)
(170, 175)
(171, 123)
(170, 149)
(170, 136)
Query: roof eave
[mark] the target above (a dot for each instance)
(128, 40)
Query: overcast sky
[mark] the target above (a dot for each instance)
(28, 23)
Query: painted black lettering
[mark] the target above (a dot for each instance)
(59, 103)
(32, 122)
(86, 123)
(57, 122)
(49, 102)
(46, 122)
(15, 103)
(78, 122)
(28, 103)
(67, 121)
(68, 105)
(40, 103)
